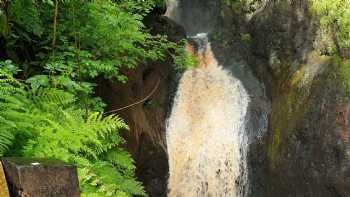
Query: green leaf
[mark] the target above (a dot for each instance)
(38, 81)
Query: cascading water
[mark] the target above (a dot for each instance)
(219, 113)
(205, 132)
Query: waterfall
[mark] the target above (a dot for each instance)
(220, 112)
(206, 136)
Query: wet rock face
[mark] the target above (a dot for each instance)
(40, 178)
(306, 150)
(195, 16)
(282, 35)
(307, 145)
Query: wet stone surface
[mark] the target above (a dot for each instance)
(40, 178)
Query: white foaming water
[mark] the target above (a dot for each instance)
(206, 132)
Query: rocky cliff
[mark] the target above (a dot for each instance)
(302, 147)
(308, 138)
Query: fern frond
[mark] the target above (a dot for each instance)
(121, 159)
(45, 96)
(6, 138)
(55, 127)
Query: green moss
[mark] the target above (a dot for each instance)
(344, 73)
(235, 5)
(274, 147)
(246, 38)
(287, 111)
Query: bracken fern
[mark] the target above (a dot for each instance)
(45, 122)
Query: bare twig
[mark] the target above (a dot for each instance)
(55, 24)
(138, 102)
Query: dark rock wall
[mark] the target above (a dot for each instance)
(308, 138)
(306, 154)
(197, 16)
(145, 138)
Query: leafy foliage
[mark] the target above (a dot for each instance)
(334, 24)
(91, 38)
(8, 87)
(25, 14)
(44, 122)
(47, 104)
(334, 32)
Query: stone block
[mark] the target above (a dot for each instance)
(40, 178)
